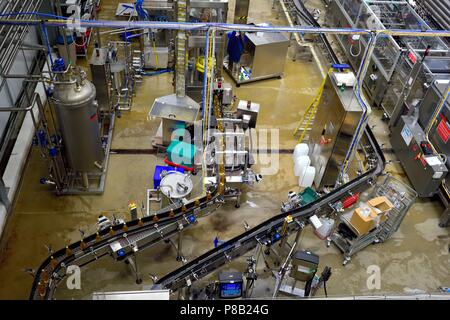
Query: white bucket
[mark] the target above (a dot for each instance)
(300, 165)
(307, 179)
(302, 149)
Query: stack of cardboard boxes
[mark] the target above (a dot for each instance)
(364, 219)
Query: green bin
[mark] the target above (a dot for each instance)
(181, 153)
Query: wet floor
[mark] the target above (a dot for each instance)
(415, 259)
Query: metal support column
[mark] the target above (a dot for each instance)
(134, 267)
(180, 256)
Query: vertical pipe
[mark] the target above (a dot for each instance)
(85, 180)
(211, 80)
(366, 109)
(64, 34)
(180, 85)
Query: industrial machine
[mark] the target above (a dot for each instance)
(389, 52)
(201, 108)
(436, 11)
(258, 48)
(159, 48)
(338, 115)
(409, 86)
(116, 70)
(78, 143)
(76, 146)
(124, 240)
(426, 168)
(419, 140)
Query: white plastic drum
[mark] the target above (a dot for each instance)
(300, 165)
(302, 149)
(307, 179)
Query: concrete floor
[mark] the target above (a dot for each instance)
(416, 258)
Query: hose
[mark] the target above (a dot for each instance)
(149, 74)
(355, 55)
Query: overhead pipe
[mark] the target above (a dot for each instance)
(58, 22)
(181, 25)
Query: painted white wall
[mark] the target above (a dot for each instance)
(19, 154)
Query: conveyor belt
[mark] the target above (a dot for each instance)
(146, 232)
(303, 11)
(143, 232)
(263, 233)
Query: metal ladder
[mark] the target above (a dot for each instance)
(307, 119)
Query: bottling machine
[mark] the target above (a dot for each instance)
(77, 145)
(420, 139)
(390, 53)
(337, 118)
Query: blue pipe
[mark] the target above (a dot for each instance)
(47, 42)
(156, 72)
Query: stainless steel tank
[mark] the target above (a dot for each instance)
(76, 111)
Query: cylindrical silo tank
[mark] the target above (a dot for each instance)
(76, 111)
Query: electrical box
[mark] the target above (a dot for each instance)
(230, 285)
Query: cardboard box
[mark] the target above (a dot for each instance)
(361, 223)
(379, 207)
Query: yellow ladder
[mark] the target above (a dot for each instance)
(310, 112)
